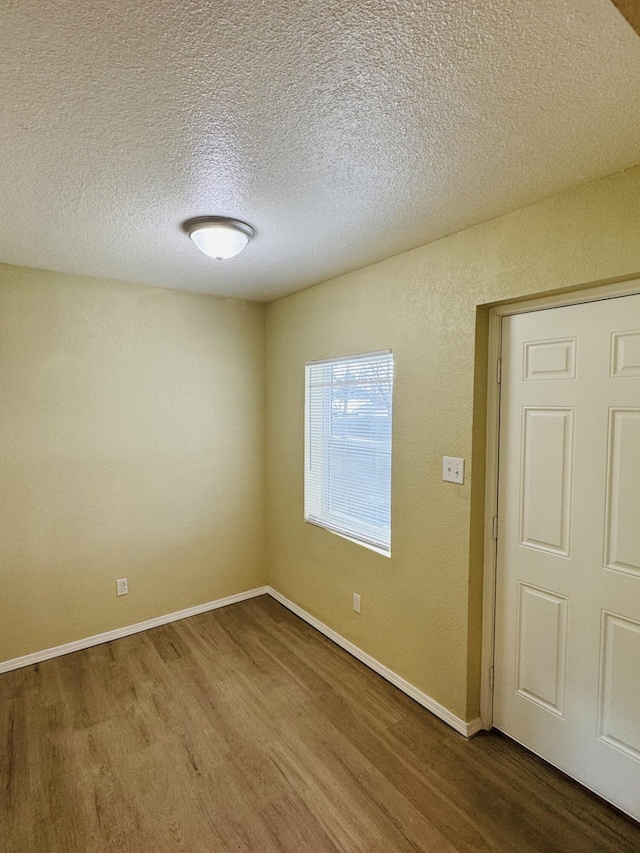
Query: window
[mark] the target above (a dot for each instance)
(347, 484)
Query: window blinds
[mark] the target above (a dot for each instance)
(348, 447)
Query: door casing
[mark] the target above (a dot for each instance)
(626, 287)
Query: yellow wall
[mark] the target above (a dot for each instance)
(421, 608)
(132, 439)
(131, 444)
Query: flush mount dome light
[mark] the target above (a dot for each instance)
(217, 236)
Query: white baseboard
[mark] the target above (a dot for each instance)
(107, 636)
(475, 726)
(467, 729)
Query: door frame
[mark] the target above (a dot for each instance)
(621, 287)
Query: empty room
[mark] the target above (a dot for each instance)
(320, 426)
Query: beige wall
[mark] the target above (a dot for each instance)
(421, 609)
(132, 439)
(131, 444)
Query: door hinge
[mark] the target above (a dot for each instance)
(495, 526)
(491, 679)
(499, 371)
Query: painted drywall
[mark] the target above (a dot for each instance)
(421, 609)
(131, 445)
(334, 128)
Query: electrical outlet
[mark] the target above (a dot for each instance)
(452, 469)
(122, 586)
(356, 602)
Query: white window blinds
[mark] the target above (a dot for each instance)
(347, 485)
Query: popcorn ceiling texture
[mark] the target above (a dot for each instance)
(344, 132)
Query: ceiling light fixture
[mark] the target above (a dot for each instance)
(217, 236)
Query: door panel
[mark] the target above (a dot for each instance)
(567, 665)
(542, 647)
(622, 538)
(545, 502)
(550, 359)
(620, 694)
(625, 354)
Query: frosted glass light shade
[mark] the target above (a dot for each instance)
(218, 237)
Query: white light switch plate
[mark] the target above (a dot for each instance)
(452, 469)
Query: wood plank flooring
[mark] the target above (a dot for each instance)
(244, 729)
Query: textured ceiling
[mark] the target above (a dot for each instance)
(344, 132)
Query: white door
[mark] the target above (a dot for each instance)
(567, 663)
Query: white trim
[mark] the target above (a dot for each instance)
(320, 484)
(627, 287)
(350, 357)
(623, 287)
(474, 726)
(464, 728)
(366, 543)
(107, 636)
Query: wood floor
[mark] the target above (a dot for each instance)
(244, 729)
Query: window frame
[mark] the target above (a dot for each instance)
(316, 511)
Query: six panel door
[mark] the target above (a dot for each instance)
(567, 664)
